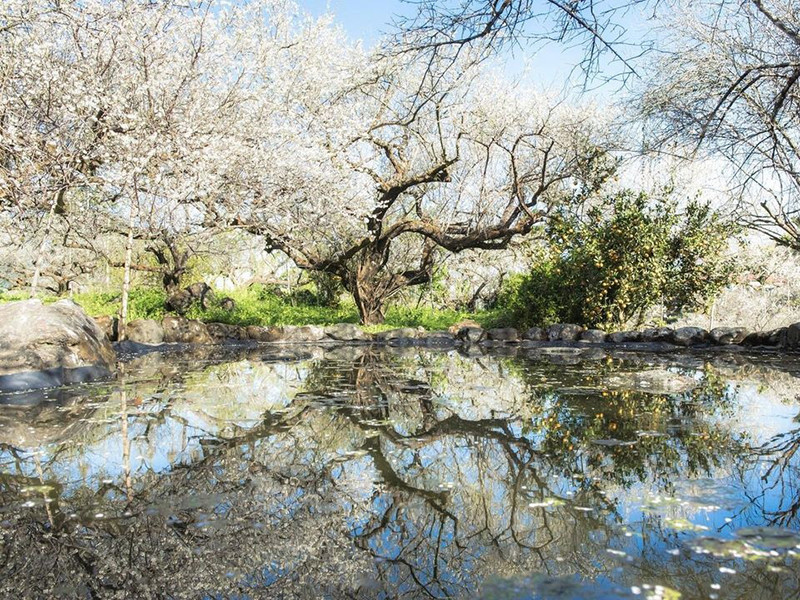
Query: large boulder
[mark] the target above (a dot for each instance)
(145, 331)
(50, 345)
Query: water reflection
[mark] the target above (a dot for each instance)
(356, 473)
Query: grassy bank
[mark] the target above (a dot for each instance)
(260, 306)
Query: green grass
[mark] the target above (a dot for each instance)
(261, 306)
(143, 303)
(13, 296)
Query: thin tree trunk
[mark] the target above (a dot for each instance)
(126, 446)
(37, 270)
(712, 315)
(126, 280)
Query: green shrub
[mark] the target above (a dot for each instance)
(625, 255)
(535, 298)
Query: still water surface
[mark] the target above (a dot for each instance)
(364, 473)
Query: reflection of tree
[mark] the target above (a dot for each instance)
(411, 475)
(781, 475)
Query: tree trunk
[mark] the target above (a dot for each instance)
(370, 300)
(37, 265)
(126, 280)
(372, 286)
(370, 309)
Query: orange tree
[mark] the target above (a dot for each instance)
(627, 253)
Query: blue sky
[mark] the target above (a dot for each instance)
(362, 19)
(548, 67)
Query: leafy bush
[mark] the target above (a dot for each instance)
(625, 255)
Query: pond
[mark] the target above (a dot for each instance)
(359, 472)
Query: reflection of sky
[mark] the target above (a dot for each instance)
(472, 473)
(208, 405)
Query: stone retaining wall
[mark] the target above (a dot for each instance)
(175, 329)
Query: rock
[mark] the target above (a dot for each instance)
(438, 339)
(471, 335)
(227, 304)
(728, 335)
(657, 334)
(220, 332)
(624, 337)
(536, 334)
(264, 334)
(593, 336)
(563, 332)
(43, 346)
(186, 331)
(776, 337)
(403, 332)
(656, 381)
(306, 334)
(504, 334)
(466, 323)
(197, 333)
(347, 332)
(109, 325)
(689, 336)
(792, 340)
(180, 302)
(145, 331)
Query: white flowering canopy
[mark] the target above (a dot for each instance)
(183, 118)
